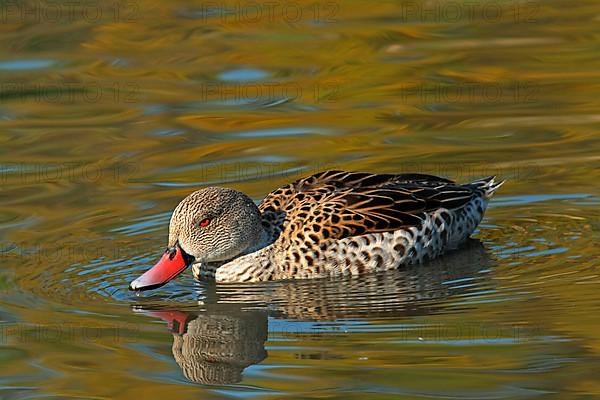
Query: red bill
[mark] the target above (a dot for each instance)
(172, 263)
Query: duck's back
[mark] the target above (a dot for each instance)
(361, 221)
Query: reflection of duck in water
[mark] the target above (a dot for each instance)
(413, 290)
(216, 345)
(331, 223)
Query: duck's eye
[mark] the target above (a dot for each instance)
(204, 222)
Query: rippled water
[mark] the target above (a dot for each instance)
(110, 113)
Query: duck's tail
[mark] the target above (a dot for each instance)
(488, 185)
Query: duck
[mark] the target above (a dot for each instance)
(327, 224)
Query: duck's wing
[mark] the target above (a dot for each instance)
(338, 204)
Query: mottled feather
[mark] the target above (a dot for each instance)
(344, 204)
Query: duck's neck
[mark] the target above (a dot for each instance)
(252, 265)
(207, 269)
(263, 241)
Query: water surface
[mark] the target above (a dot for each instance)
(109, 118)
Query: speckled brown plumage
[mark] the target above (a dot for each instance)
(338, 222)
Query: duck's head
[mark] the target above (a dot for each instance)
(211, 225)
